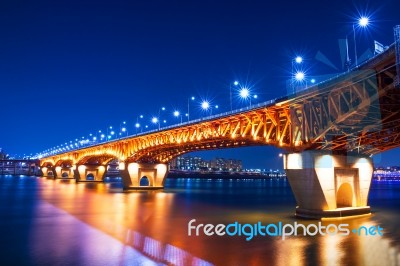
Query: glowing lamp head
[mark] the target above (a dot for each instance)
(123, 129)
(137, 125)
(312, 81)
(154, 120)
(363, 21)
(244, 93)
(236, 83)
(205, 105)
(298, 59)
(299, 76)
(176, 113)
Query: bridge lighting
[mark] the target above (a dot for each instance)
(244, 93)
(176, 113)
(298, 59)
(112, 133)
(123, 129)
(299, 76)
(230, 92)
(154, 120)
(312, 81)
(255, 96)
(137, 125)
(188, 104)
(363, 21)
(205, 105)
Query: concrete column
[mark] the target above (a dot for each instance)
(132, 174)
(60, 171)
(327, 185)
(48, 172)
(82, 171)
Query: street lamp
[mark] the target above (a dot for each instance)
(244, 93)
(297, 60)
(188, 112)
(155, 120)
(137, 125)
(230, 91)
(205, 105)
(177, 114)
(363, 23)
(300, 76)
(108, 135)
(123, 129)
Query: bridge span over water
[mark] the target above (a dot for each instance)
(328, 131)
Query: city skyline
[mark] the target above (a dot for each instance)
(69, 70)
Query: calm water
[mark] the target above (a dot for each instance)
(54, 222)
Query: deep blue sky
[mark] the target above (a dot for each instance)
(70, 68)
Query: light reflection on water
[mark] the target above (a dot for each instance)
(154, 224)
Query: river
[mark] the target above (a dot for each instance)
(58, 222)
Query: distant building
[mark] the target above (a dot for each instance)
(387, 173)
(194, 163)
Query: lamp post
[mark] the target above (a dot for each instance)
(122, 129)
(300, 77)
(230, 92)
(297, 60)
(137, 125)
(188, 112)
(177, 114)
(245, 94)
(155, 120)
(205, 105)
(363, 23)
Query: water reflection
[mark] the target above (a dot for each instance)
(154, 224)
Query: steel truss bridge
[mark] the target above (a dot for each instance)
(349, 118)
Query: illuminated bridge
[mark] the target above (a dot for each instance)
(329, 132)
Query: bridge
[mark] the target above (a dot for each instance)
(329, 132)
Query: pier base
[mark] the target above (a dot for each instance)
(327, 185)
(141, 176)
(89, 173)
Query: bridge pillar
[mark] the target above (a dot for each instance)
(327, 185)
(49, 172)
(143, 176)
(64, 172)
(89, 173)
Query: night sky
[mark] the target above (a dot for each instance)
(70, 68)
